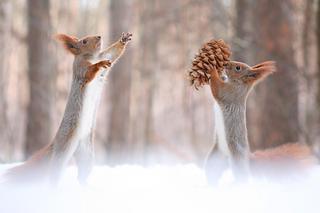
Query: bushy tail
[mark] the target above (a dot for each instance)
(284, 160)
(33, 170)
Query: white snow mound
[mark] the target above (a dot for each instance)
(163, 189)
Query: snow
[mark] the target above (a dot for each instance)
(165, 189)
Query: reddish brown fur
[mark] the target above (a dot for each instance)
(283, 160)
(69, 43)
(33, 169)
(94, 68)
(76, 46)
(215, 83)
(262, 70)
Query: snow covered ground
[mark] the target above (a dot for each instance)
(165, 189)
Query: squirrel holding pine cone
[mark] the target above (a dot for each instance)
(231, 83)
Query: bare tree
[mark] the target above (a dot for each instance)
(318, 73)
(242, 31)
(318, 44)
(277, 102)
(120, 85)
(142, 119)
(308, 84)
(265, 30)
(5, 27)
(42, 75)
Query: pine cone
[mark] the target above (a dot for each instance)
(213, 54)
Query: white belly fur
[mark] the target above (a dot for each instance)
(220, 130)
(91, 101)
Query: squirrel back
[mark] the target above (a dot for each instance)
(282, 161)
(33, 170)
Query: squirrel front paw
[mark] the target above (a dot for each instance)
(125, 37)
(104, 63)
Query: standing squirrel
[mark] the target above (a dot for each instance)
(230, 89)
(75, 134)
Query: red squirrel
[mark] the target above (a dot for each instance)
(75, 134)
(230, 89)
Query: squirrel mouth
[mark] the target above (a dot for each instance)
(252, 75)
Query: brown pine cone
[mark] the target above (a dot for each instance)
(213, 54)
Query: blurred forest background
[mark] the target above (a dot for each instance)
(149, 113)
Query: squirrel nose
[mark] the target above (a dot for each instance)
(98, 37)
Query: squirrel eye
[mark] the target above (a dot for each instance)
(84, 41)
(238, 68)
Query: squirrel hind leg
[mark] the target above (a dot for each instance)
(84, 157)
(215, 165)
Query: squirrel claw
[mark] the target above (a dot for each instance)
(126, 37)
(105, 63)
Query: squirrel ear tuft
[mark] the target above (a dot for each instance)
(70, 43)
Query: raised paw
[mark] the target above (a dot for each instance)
(105, 63)
(126, 37)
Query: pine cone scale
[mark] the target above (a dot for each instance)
(213, 55)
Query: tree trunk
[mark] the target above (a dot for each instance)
(277, 99)
(120, 85)
(142, 126)
(308, 120)
(42, 76)
(265, 30)
(318, 44)
(318, 76)
(242, 31)
(5, 27)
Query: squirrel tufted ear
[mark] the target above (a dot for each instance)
(70, 43)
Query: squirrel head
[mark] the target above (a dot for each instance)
(242, 74)
(87, 46)
(237, 79)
